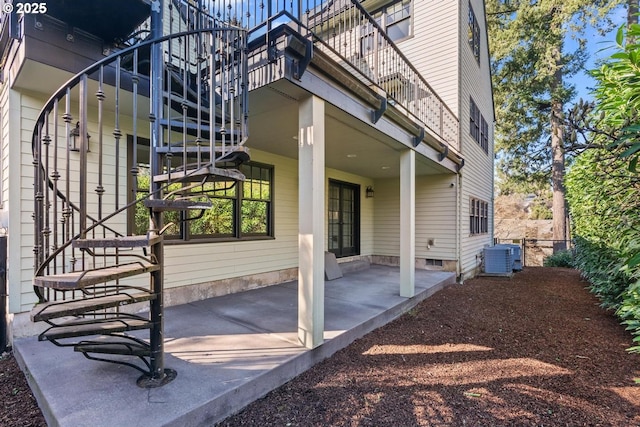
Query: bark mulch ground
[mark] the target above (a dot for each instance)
(533, 350)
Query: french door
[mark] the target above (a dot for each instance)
(344, 218)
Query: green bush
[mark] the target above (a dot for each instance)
(559, 259)
(603, 184)
(602, 266)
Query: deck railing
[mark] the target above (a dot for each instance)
(345, 30)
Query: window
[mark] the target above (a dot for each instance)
(474, 120)
(240, 210)
(255, 204)
(395, 20)
(478, 126)
(478, 216)
(398, 20)
(474, 34)
(484, 134)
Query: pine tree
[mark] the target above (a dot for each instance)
(529, 68)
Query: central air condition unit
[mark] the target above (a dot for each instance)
(498, 260)
(515, 255)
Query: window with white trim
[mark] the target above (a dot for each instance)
(395, 20)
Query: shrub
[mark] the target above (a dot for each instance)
(602, 266)
(559, 259)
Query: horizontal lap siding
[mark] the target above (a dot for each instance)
(27, 108)
(204, 262)
(435, 217)
(477, 175)
(387, 217)
(226, 260)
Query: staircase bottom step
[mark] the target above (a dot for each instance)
(121, 348)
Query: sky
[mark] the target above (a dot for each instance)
(599, 47)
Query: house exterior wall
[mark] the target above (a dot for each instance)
(452, 70)
(184, 262)
(476, 178)
(4, 144)
(240, 258)
(435, 201)
(366, 209)
(442, 200)
(26, 107)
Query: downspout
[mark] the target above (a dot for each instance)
(3, 293)
(460, 149)
(459, 227)
(493, 185)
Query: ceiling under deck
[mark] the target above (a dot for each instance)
(351, 145)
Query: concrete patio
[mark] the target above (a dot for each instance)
(228, 351)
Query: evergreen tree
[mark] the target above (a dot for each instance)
(529, 68)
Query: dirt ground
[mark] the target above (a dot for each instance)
(533, 350)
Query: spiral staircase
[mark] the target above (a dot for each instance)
(99, 283)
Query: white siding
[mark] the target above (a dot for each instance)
(187, 264)
(4, 143)
(198, 263)
(477, 174)
(21, 203)
(435, 219)
(435, 204)
(387, 217)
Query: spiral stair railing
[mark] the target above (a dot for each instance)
(186, 93)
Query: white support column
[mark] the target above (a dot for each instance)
(407, 223)
(311, 210)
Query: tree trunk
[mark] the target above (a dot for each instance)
(632, 17)
(632, 12)
(557, 166)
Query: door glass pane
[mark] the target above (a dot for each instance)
(343, 218)
(334, 218)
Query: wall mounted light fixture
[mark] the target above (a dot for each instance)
(369, 192)
(74, 140)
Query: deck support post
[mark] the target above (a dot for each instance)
(407, 222)
(311, 195)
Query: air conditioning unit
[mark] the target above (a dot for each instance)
(516, 255)
(498, 260)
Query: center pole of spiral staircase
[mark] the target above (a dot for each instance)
(158, 375)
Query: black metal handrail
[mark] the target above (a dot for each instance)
(342, 28)
(62, 209)
(382, 62)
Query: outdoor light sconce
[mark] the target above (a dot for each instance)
(74, 140)
(369, 192)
